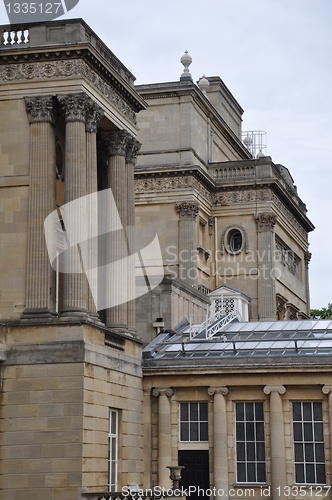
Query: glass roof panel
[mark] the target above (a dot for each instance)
(219, 346)
(263, 326)
(234, 327)
(265, 345)
(291, 326)
(277, 325)
(307, 324)
(250, 326)
(323, 324)
(173, 347)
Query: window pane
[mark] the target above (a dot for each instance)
(259, 410)
(319, 432)
(114, 448)
(250, 412)
(321, 477)
(241, 473)
(113, 481)
(310, 473)
(184, 414)
(239, 408)
(260, 431)
(297, 429)
(184, 431)
(251, 455)
(319, 449)
(193, 431)
(194, 412)
(203, 412)
(309, 452)
(240, 432)
(299, 473)
(318, 412)
(308, 435)
(250, 432)
(260, 451)
(113, 422)
(261, 474)
(307, 415)
(297, 412)
(251, 473)
(240, 452)
(298, 450)
(204, 431)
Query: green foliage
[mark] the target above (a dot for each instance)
(324, 313)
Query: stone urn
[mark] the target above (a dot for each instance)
(175, 474)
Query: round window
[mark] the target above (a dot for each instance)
(235, 241)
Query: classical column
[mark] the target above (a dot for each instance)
(327, 389)
(147, 437)
(278, 456)
(265, 254)
(93, 118)
(307, 258)
(164, 436)
(115, 144)
(132, 149)
(40, 287)
(220, 459)
(188, 211)
(75, 284)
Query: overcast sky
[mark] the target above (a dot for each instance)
(274, 56)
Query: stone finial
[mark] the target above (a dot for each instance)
(204, 84)
(188, 209)
(94, 114)
(132, 150)
(74, 106)
(265, 221)
(41, 109)
(115, 142)
(186, 60)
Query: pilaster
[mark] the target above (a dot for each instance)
(188, 211)
(40, 287)
(265, 254)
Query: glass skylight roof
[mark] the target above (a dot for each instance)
(260, 339)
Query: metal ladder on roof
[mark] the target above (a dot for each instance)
(213, 324)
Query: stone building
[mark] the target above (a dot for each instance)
(223, 215)
(69, 384)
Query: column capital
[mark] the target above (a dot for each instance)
(159, 392)
(41, 109)
(94, 114)
(115, 142)
(132, 149)
(188, 209)
(74, 106)
(274, 388)
(217, 390)
(327, 389)
(265, 221)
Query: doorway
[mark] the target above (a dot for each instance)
(196, 471)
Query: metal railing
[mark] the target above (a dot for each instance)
(213, 323)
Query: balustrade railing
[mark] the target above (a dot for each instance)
(20, 36)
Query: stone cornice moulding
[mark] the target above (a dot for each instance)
(159, 392)
(218, 390)
(41, 109)
(280, 389)
(187, 210)
(68, 68)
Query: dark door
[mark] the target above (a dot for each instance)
(196, 471)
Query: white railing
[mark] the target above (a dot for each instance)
(210, 332)
(17, 37)
(213, 323)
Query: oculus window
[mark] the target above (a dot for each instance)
(250, 443)
(193, 422)
(309, 456)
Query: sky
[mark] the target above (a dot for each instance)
(273, 55)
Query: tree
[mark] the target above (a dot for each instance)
(324, 313)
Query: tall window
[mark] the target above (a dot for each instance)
(250, 443)
(193, 422)
(113, 450)
(308, 439)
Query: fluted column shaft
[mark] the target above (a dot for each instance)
(132, 149)
(74, 108)
(115, 146)
(327, 389)
(220, 458)
(147, 434)
(188, 211)
(278, 455)
(164, 436)
(267, 308)
(94, 115)
(40, 287)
